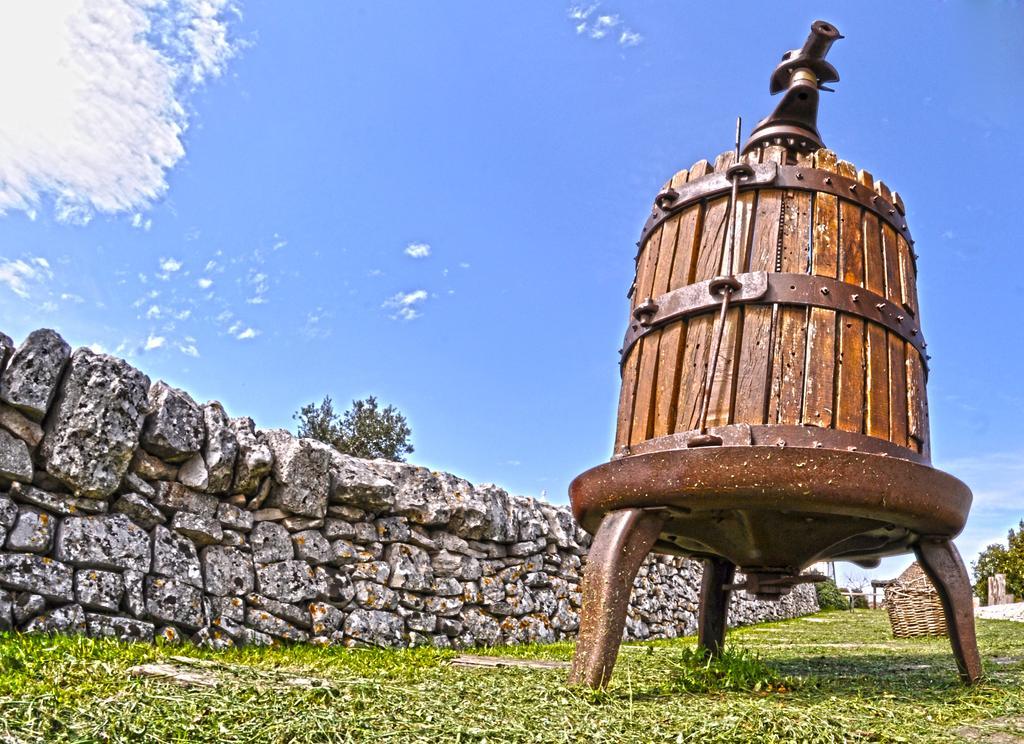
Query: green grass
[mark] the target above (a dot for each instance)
(832, 677)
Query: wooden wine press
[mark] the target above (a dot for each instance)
(772, 411)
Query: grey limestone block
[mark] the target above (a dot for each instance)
(228, 571)
(6, 351)
(254, 459)
(37, 574)
(151, 467)
(15, 458)
(326, 618)
(409, 567)
(232, 608)
(6, 611)
(98, 590)
(263, 622)
(271, 542)
(292, 613)
(302, 474)
(373, 596)
(234, 517)
(193, 473)
(32, 532)
(30, 379)
(176, 557)
(177, 497)
(121, 628)
(221, 449)
(93, 430)
(134, 597)
(288, 581)
(26, 606)
(112, 541)
(374, 627)
(174, 428)
(8, 512)
(138, 508)
(175, 602)
(357, 485)
(20, 426)
(312, 547)
(200, 529)
(69, 619)
(58, 503)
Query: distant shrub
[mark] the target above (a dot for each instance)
(830, 598)
(364, 430)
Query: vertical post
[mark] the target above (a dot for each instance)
(623, 540)
(945, 568)
(714, 604)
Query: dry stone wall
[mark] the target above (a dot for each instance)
(129, 510)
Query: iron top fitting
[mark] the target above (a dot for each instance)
(801, 74)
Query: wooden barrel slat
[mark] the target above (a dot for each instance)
(789, 353)
(876, 422)
(643, 405)
(898, 423)
(819, 375)
(752, 384)
(917, 404)
(670, 275)
(694, 367)
(624, 420)
(849, 405)
(908, 277)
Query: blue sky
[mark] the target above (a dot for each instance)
(437, 204)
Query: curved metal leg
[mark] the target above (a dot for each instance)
(623, 540)
(942, 563)
(714, 604)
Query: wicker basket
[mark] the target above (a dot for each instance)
(913, 605)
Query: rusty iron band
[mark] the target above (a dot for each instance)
(781, 435)
(770, 288)
(774, 176)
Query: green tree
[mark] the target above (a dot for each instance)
(364, 430)
(1007, 560)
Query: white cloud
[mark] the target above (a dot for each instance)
(170, 265)
(154, 342)
(417, 250)
(601, 26)
(69, 297)
(154, 311)
(630, 38)
(19, 275)
(247, 333)
(188, 348)
(96, 99)
(258, 280)
(463, 265)
(204, 283)
(404, 304)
